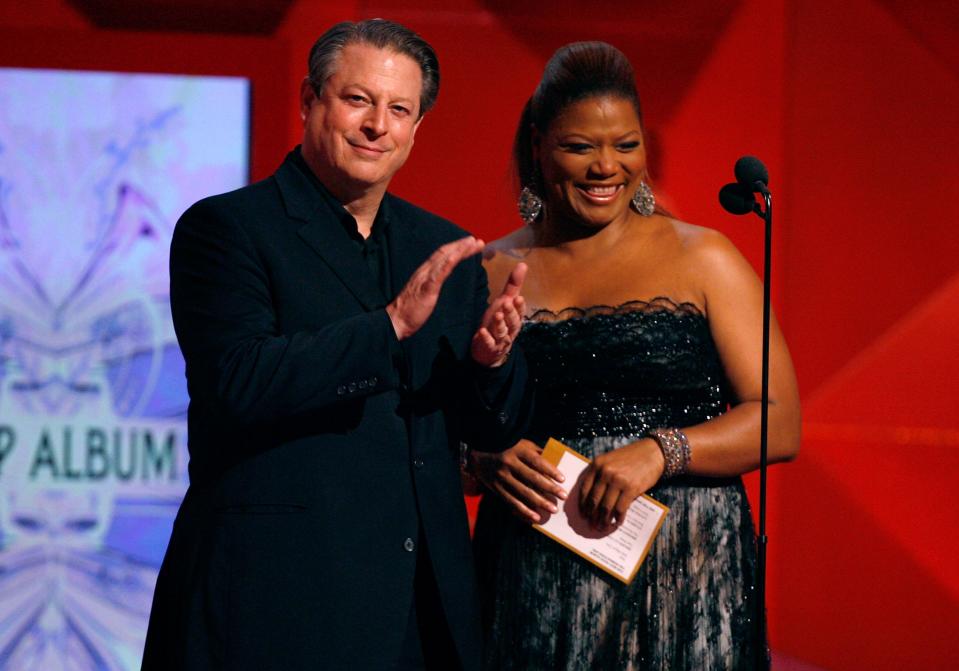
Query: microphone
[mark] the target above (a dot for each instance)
(751, 176)
(737, 198)
(751, 172)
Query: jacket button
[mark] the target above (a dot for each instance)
(502, 418)
(409, 545)
(418, 463)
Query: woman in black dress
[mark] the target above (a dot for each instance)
(643, 334)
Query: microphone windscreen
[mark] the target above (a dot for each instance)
(750, 170)
(737, 199)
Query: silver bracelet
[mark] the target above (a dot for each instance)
(675, 448)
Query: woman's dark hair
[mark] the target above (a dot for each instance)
(381, 34)
(575, 72)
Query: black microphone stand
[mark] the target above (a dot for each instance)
(739, 198)
(767, 216)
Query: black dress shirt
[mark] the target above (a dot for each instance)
(375, 248)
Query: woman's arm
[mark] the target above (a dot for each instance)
(729, 444)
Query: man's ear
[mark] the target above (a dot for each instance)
(415, 128)
(307, 96)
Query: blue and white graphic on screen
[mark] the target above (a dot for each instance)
(95, 169)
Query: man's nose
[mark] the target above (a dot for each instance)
(374, 124)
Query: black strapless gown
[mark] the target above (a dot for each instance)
(603, 377)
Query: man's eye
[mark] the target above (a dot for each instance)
(356, 99)
(400, 110)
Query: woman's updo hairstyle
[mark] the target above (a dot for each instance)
(575, 72)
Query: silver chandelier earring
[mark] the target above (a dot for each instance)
(530, 205)
(643, 200)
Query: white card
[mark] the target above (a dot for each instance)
(618, 551)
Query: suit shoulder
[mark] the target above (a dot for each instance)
(255, 194)
(233, 208)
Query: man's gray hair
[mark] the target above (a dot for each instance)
(382, 34)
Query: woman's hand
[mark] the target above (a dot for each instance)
(614, 480)
(522, 478)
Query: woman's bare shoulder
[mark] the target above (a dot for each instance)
(719, 268)
(703, 246)
(502, 255)
(515, 243)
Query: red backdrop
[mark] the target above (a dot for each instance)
(853, 107)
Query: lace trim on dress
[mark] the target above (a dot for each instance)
(657, 304)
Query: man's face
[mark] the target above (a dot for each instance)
(358, 132)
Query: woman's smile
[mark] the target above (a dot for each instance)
(600, 194)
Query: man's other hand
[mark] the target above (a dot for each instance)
(501, 322)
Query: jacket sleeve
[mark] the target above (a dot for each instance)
(239, 364)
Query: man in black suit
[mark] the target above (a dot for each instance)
(339, 347)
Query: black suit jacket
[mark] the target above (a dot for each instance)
(319, 444)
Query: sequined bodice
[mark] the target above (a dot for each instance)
(605, 371)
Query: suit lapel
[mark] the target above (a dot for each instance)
(408, 250)
(323, 233)
(330, 241)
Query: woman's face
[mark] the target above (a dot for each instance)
(592, 159)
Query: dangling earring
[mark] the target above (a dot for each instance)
(643, 200)
(530, 205)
